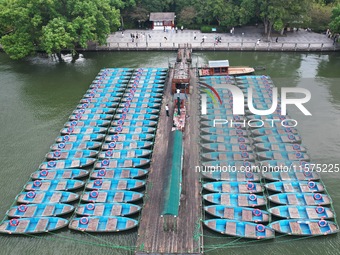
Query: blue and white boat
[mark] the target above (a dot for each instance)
(291, 176)
(288, 138)
(121, 154)
(226, 147)
(274, 131)
(232, 176)
(232, 156)
(54, 185)
(127, 145)
(39, 210)
(225, 131)
(233, 187)
(115, 184)
(107, 209)
(225, 139)
(69, 163)
(119, 173)
(91, 116)
(82, 130)
(129, 137)
(131, 130)
(302, 212)
(59, 174)
(136, 116)
(123, 162)
(138, 111)
(229, 199)
(79, 145)
(282, 155)
(280, 147)
(70, 154)
(42, 197)
(111, 196)
(300, 199)
(80, 137)
(134, 123)
(295, 186)
(87, 123)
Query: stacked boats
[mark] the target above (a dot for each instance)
(99, 150)
(297, 195)
(237, 199)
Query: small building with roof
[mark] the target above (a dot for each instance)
(162, 20)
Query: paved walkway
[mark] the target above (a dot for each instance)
(244, 38)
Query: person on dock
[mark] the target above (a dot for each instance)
(167, 110)
(277, 39)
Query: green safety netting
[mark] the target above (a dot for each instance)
(174, 166)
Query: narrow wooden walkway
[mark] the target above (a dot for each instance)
(186, 239)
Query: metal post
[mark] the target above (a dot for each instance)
(321, 46)
(282, 47)
(268, 46)
(308, 46)
(295, 46)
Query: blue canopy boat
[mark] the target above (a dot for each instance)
(291, 176)
(127, 145)
(282, 155)
(42, 197)
(131, 130)
(134, 123)
(300, 227)
(240, 229)
(59, 174)
(34, 225)
(124, 162)
(70, 154)
(233, 187)
(129, 137)
(225, 131)
(136, 116)
(274, 131)
(87, 123)
(79, 145)
(238, 213)
(288, 138)
(82, 130)
(295, 186)
(102, 224)
(111, 196)
(39, 210)
(233, 156)
(115, 184)
(300, 199)
(226, 147)
(280, 147)
(107, 209)
(91, 116)
(232, 176)
(80, 137)
(119, 173)
(69, 163)
(225, 139)
(302, 212)
(121, 154)
(54, 185)
(229, 199)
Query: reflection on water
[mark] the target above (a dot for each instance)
(37, 95)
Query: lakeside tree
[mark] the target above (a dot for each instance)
(335, 20)
(55, 25)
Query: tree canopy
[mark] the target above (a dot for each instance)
(335, 20)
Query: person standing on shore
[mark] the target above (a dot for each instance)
(167, 110)
(277, 39)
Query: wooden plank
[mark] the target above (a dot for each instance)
(75, 163)
(231, 228)
(312, 214)
(30, 211)
(284, 176)
(247, 215)
(116, 210)
(122, 185)
(310, 200)
(42, 225)
(242, 188)
(67, 174)
(293, 212)
(287, 187)
(250, 230)
(22, 226)
(56, 197)
(119, 197)
(304, 188)
(295, 228)
(125, 174)
(243, 201)
(226, 187)
(225, 199)
(128, 163)
(292, 200)
(130, 224)
(62, 185)
(106, 185)
(111, 224)
(228, 213)
(102, 196)
(93, 224)
(99, 209)
(49, 209)
(314, 228)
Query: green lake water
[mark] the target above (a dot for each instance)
(37, 96)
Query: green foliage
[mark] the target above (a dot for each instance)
(320, 17)
(335, 20)
(187, 16)
(206, 29)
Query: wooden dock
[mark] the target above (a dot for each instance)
(186, 235)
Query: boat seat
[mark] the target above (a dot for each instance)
(22, 226)
(113, 164)
(247, 215)
(275, 211)
(93, 224)
(131, 154)
(42, 225)
(222, 156)
(130, 224)
(60, 223)
(228, 213)
(111, 224)
(219, 131)
(226, 187)
(122, 185)
(62, 185)
(220, 139)
(241, 177)
(125, 173)
(225, 199)
(116, 155)
(30, 211)
(119, 197)
(293, 212)
(75, 163)
(300, 176)
(56, 197)
(128, 163)
(243, 201)
(242, 188)
(102, 197)
(304, 188)
(116, 210)
(67, 175)
(250, 230)
(224, 176)
(49, 209)
(220, 147)
(295, 228)
(287, 187)
(277, 156)
(106, 185)
(98, 210)
(212, 224)
(60, 165)
(292, 200)
(82, 146)
(312, 213)
(284, 176)
(231, 228)
(310, 200)
(314, 228)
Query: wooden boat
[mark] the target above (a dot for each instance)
(238, 213)
(274, 131)
(233, 187)
(82, 130)
(300, 227)
(106, 90)
(131, 130)
(107, 209)
(295, 186)
(54, 185)
(234, 156)
(131, 116)
(288, 138)
(291, 176)
(302, 212)
(129, 137)
(80, 137)
(113, 184)
(101, 95)
(225, 139)
(147, 85)
(100, 100)
(34, 225)
(140, 105)
(127, 145)
(70, 154)
(300, 199)
(69, 163)
(280, 147)
(221, 67)
(43, 197)
(232, 176)
(138, 111)
(119, 173)
(59, 174)
(282, 155)
(97, 105)
(39, 210)
(226, 147)
(155, 97)
(121, 154)
(91, 116)
(81, 145)
(148, 89)
(240, 229)
(225, 166)
(134, 123)
(87, 123)
(102, 224)
(111, 196)
(142, 100)
(126, 162)
(225, 131)
(229, 199)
